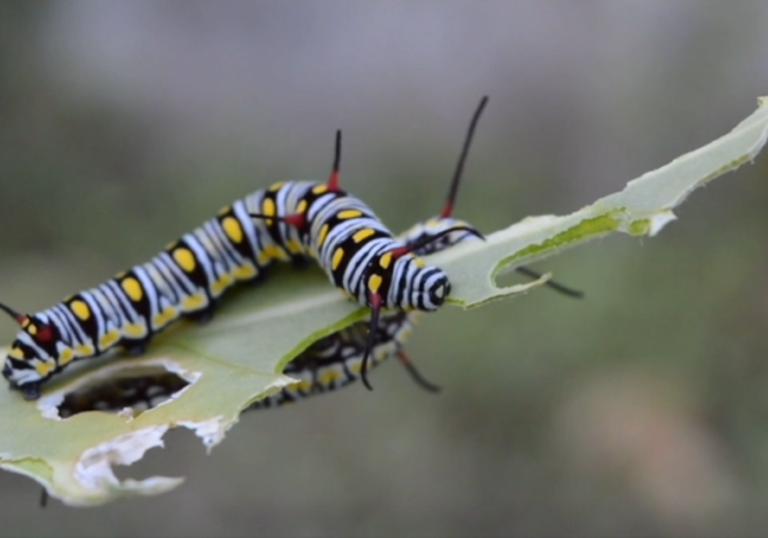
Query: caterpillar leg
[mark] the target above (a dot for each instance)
(134, 348)
(300, 263)
(30, 391)
(257, 280)
(203, 316)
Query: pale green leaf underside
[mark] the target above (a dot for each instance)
(237, 358)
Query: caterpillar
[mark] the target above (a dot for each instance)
(289, 221)
(335, 360)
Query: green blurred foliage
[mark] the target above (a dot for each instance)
(637, 411)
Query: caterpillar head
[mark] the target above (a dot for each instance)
(416, 286)
(432, 288)
(32, 357)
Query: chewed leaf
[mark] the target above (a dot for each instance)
(213, 372)
(644, 207)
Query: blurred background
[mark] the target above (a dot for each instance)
(638, 411)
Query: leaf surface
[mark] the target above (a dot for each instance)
(238, 358)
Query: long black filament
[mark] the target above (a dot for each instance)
(11, 312)
(337, 151)
(448, 209)
(373, 327)
(560, 288)
(417, 376)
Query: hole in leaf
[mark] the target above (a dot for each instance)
(131, 390)
(180, 446)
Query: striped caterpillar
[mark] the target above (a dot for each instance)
(289, 221)
(333, 361)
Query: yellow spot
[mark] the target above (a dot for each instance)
(233, 229)
(132, 289)
(221, 284)
(135, 330)
(185, 259)
(32, 330)
(16, 353)
(25, 323)
(118, 276)
(328, 377)
(363, 235)
(385, 260)
(302, 207)
(374, 283)
(414, 317)
(194, 302)
(381, 353)
(356, 368)
(269, 253)
(109, 339)
(268, 207)
(277, 186)
(320, 189)
(224, 210)
(418, 262)
(66, 356)
(294, 246)
(349, 214)
(323, 234)
(304, 385)
(337, 257)
(85, 350)
(44, 367)
(244, 272)
(265, 256)
(165, 317)
(80, 309)
(404, 333)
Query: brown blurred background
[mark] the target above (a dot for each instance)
(640, 410)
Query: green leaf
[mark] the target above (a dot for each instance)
(238, 358)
